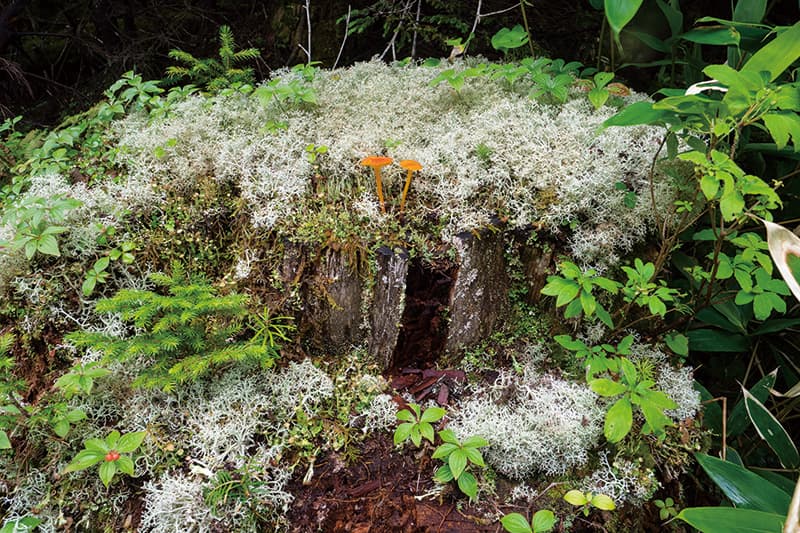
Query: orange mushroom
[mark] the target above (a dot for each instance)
(410, 165)
(376, 162)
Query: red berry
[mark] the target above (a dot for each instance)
(112, 456)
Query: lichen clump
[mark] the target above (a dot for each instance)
(487, 150)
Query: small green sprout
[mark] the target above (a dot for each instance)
(417, 425)
(457, 456)
(543, 521)
(587, 500)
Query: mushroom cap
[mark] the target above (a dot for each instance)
(410, 164)
(376, 161)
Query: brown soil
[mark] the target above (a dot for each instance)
(383, 490)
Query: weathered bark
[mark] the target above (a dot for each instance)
(336, 303)
(387, 305)
(535, 267)
(479, 298)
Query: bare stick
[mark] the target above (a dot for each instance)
(307, 49)
(416, 25)
(344, 39)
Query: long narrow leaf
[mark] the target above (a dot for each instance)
(730, 520)
(771, 430)
(744, 488)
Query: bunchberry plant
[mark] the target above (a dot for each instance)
(542, 521)
(457, 457)
(36, 222)
(597, 359)
(417, 425)
(575, 289)
(633, 389)
(587, 500)
(109, 452)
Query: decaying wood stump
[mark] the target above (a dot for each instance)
(479, 297)
(388, 304)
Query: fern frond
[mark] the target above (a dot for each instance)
(247, 54)
(6, 342)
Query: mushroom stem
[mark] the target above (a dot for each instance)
(409, 173)
(380, 188)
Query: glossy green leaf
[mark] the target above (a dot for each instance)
(432, 414)
(678, 343)
(713, 35)
(5, 444)
(738, 419)
(468, 485)
(402, 432)
(575, 497)
(83, 460)
(516, 523)
(619, 13)
(443, 475)
(777, 55)
(712, 340)
(638, 113)
(744, 488)
(619, 420)
(601, 501)
(731, 520)
(771, 430)
(426, 430)
(543, 521)
(125, 464)
(457, 461)
(779, 480)
(606, 387)
(107, 471)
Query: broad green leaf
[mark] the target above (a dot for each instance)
(432, 414)
(475, 441)
(678, 343)
(780, 481)
(84, 460)
(444, 450)
(509, 38)
(97, 445)
(750, 11)
(712, 340)
(48, 245)
(468, 485)
(543, 521)
(771, 430)
(474, 456)
(606, 387)
(619, 420)
(598, 97)
(447, 435)
(744, 488)
(713, 35)
(88, 285)
(457, 461)
(516, 523)
(5, 444)
(416, 435)
(777, 55)
(619, 13)
(738, 419)
(107, 471)
(443, 475)
(730, 520)
(426, 430)
(712, 414)
(638, 113)
(781, 126)
(406, 415)
(61, 427)
(601, 501)
(402, 432)
(575, 497)
(125, 464)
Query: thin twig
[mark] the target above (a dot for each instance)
(416, 26)
(344, 39)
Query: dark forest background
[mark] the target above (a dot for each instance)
(56, 58)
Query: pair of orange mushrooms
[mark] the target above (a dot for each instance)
(377, 162)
